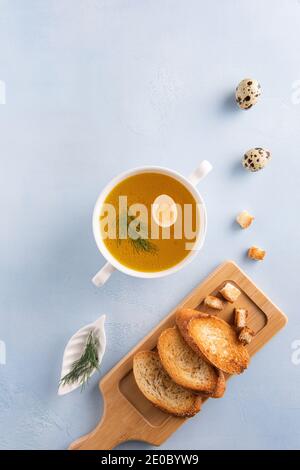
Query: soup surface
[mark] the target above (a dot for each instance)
(166, 248)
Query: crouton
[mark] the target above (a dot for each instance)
(244, 219)
(213, 302)
(240, 317)
(256, 253)
(246, 335)
(230, 292)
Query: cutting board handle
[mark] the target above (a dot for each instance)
(107, 435)
(120, 422)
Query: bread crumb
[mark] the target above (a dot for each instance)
(240, 317)
(246, 335)
(213, 302)
(256, 253)
(230, 292)
(244, 219)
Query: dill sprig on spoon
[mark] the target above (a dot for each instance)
(83, 367)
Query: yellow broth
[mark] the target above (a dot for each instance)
(143, 188)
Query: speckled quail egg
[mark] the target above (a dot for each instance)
(256, 159)
(247, 93)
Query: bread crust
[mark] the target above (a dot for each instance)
(221, 385)
(185, 320)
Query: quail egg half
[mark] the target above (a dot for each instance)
(256, 159)
(247, 93)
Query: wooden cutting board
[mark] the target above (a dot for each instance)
(127, 414)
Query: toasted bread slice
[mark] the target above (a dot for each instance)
(215, 339)
(183, 317)
(159, 388)
(188, 368)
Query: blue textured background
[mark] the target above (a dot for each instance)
(94, 87)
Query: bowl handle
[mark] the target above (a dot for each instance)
(200, 172)
(103, 275)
